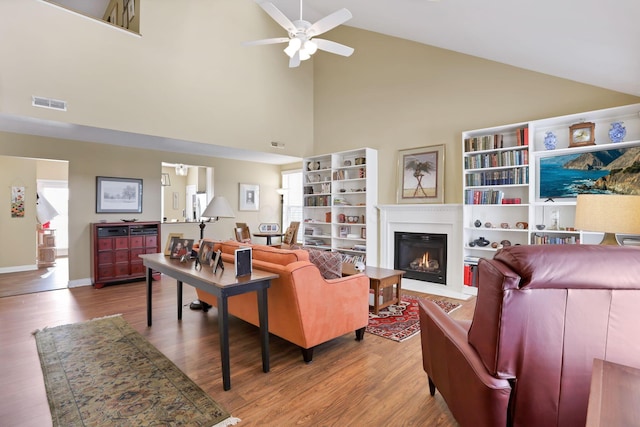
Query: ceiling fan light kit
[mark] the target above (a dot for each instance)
(301, 44)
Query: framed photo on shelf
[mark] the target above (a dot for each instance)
(249, 197)
(421, 175)
(168, 246)
(344, 231)
(118, 195)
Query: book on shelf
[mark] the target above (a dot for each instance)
(470, 275)
(518, 175)
(484, 197)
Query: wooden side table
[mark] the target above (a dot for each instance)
(380, 279)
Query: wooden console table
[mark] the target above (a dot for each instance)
(223, 284)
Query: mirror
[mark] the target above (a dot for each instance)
(121, 13)
(186, 191)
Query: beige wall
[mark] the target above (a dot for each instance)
(187, 76)
(88, 160)
(393, 94)
(53, 170)
(18, 234)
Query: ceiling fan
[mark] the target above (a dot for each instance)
(301, 41)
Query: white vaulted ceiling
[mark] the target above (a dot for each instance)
(589, 41)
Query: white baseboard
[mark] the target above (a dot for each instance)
(18, 268)
(79, 282)
(432, 288)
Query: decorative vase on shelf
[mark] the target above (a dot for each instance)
(550, 141)
(617, 132)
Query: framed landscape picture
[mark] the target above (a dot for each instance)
(421, 175)
(118, 195)
(593, 172)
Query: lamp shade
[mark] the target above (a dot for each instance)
(608, 213)
(218, 207)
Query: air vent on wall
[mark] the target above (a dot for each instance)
(55, 104)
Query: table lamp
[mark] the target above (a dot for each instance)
(217, 208)
(608, 214)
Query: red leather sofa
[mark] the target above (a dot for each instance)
(543, 313)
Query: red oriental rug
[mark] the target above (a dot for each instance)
(402, 321)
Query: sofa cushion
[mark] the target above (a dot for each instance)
(329, 263)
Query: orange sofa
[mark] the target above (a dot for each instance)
(304, 308)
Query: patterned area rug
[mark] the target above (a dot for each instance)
(402, 321)
(103, 372)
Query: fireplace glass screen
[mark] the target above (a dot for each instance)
(423, 256)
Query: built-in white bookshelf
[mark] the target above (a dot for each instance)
(517, 189)
(340, 195)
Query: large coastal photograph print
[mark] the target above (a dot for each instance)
(614, 171)
(118, 195)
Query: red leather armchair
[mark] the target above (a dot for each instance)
(543, 313)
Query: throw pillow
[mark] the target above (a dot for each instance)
(329, 263)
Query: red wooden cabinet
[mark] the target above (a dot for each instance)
(116, 247)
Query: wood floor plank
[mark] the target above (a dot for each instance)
(375, 382)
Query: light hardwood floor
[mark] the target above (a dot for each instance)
(39, 280)
(375, 382)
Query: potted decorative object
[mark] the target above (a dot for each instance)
(550, 141)
(617, 132)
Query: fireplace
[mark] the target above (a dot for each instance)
(423, 256)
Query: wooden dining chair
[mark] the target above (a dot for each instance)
(291, 235)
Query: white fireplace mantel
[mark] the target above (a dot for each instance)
(441, 219)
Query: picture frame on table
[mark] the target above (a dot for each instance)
(205, 252)
(180, 247)
(249, 197)
(118, 195)
(168, 245)
(420, 175)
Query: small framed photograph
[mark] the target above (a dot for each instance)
(168, 246)
(180, 247)
(363, 233)
(421, 175)
(205, 252)
(249, 197)
(344, 231)
(118, 195)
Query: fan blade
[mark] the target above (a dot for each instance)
(295, 60)
(278, 16)
(267, 41)
(333, 47)
(329, 22)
